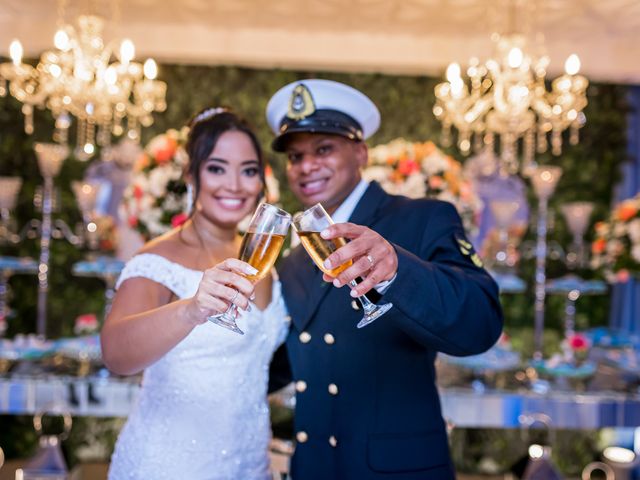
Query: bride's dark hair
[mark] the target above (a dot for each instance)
(205, 128)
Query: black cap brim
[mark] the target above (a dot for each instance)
(322, 121)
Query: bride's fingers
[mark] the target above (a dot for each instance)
(235, 265)
(230, 279)
(228, 295)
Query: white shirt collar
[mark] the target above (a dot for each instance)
(345, 210)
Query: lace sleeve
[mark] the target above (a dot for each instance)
(160, 270)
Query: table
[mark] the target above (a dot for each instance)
(114, 397)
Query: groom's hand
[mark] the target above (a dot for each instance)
(374, 259)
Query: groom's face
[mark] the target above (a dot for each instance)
(323, 168)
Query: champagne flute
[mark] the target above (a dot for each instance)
(308, 225)
(260, 247)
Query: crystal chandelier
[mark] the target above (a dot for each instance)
(507, 108)
(79, 79)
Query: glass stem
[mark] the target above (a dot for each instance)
(366, 303)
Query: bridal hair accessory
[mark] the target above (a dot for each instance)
(207, 114)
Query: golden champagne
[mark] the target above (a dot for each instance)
(319, 249)
(260, 250)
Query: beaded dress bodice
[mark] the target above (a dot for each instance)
(202, 412)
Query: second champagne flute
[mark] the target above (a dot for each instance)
(308, 225)
(260, 247)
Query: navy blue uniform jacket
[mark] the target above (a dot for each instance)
(367, 405)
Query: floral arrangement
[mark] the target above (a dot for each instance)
(616, 248)
(417, 170)
(156, 199)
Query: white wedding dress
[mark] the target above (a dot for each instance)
(202, 413)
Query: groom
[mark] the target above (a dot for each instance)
(367, 406)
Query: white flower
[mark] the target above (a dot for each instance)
(614, 247)
(434, 163)
(634, 230)
(414, 186)
(158, 179)
(378, 173)
(172, 203)
(619, 230)
(635, 252)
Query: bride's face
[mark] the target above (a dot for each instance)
(230, 180)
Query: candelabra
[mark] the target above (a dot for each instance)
(50, 158)
(544, 180)
(577, 216)
(572, 286)
(503, 211)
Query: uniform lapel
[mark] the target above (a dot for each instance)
(310, 291)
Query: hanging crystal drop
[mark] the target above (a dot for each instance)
(556, 142)
(27, 110)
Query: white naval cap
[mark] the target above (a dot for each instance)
(321, 106)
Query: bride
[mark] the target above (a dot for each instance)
(202, 411)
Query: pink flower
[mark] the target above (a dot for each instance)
(87, 322)
(407, 166)
(132, 221)
(623, 276)
(578, 342)
(435, 181)
(137, 192)
(178, 219)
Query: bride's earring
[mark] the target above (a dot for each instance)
(189, 199)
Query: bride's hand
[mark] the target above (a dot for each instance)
(220, 286)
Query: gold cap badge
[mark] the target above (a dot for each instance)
(301, 104)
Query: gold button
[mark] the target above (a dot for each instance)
(355, 305)
(333, 441)
(301, 386)
(333, 389)
(329, 339)
(305, 337)
(302, 437)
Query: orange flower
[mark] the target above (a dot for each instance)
(600, 227)
(452, 181)
(626, 211)
(598, 246)
(165, 154)
(143, 162)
